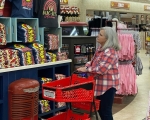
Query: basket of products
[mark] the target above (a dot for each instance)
(70, 89)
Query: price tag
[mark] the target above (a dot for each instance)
(49, 93)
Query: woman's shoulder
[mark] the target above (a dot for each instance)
(110, 50)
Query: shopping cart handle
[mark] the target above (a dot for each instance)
(77, 72)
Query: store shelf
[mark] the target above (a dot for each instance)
(47, 113)
(33, 22)
(7, 22)
(34, 66)
(55, 31)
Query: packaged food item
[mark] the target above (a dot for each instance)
(61, 104)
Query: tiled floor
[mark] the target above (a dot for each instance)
(135, 107)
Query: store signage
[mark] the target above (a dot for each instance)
(63, 2)
(147, 7)
(120, 5)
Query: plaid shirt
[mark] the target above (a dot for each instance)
(104, 67)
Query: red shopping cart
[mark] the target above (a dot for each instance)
(73, 89)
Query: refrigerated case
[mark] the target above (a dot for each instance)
(77, 44)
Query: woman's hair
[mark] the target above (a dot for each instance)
(112, 38)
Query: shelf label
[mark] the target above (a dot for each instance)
(49, 94)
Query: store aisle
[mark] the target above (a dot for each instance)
(135, 107)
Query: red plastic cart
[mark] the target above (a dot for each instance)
(72, 89)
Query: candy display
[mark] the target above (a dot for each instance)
(25, 54)
(45, 106)
(39, 53)
(9, 58)
(3, 40)
(51, 42)
(25, 33)
(51, 57)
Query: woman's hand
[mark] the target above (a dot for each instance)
(82, 69)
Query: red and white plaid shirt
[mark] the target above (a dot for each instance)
(104, 67)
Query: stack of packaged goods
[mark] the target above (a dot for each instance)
(51, 57)
(39, 53)
(9, 58)
(25, 33)
(51, 42)
(25, 54)
(2, 35)
(44, 106)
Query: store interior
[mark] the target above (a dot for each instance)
(42, 46)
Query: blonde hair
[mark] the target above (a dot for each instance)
(112, 39)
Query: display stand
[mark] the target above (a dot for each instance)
(48, 70)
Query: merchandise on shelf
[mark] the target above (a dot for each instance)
(61, 104)
(45, 106)
(51, 57)
(46, 12)
(51, 41)
(46, 80)
(25, 54)
(60, 76)
(62, 56)
(3, 40)
(22, 8)
(25, 33)
(80, 59)
(9, 58)
(38, 52)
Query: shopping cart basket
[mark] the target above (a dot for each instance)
(69, 115)
(70, 89)
(86, 105)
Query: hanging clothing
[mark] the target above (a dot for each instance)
(47, 12)
(22, 8)
(139, 66)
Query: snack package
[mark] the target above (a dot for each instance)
(60, 76)
(61, 104)
(46, 80)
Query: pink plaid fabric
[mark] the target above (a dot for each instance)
(104, 67)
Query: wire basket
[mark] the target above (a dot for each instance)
(70, 89)
(69, 115)
(86, 105)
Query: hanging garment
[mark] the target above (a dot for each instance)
(127, 47)
(47, 12)
(22, 8)
(139, 66)
(127, 80)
